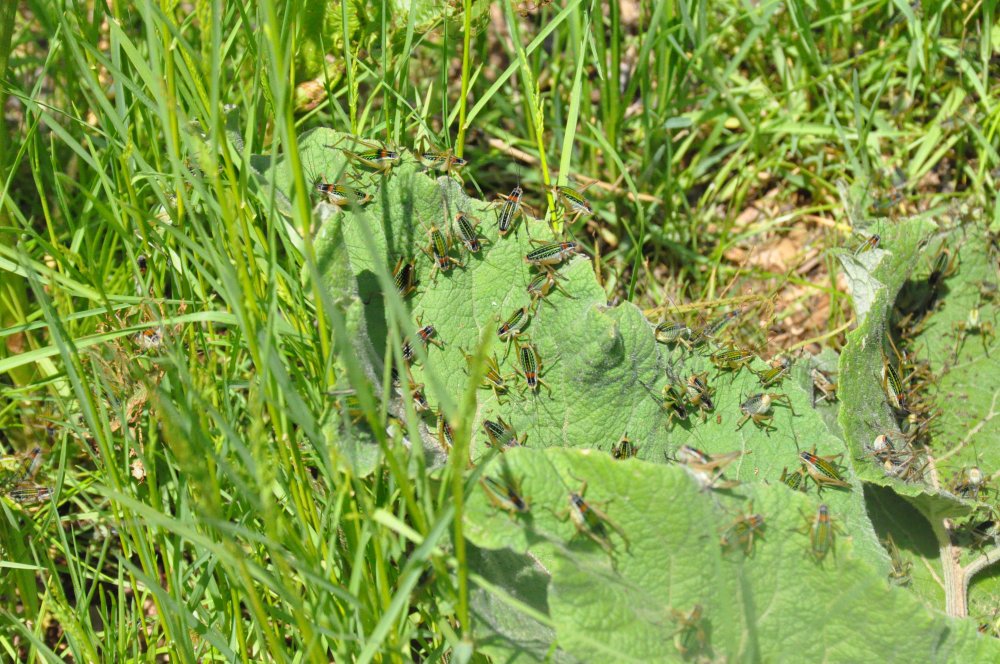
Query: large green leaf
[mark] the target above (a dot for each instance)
(766, 607)
(865, 412)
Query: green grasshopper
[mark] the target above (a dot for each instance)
(822, 533)
(531, 367)
(573, 201)
(673, 332)
(502, 435)
(591, 521)
(822, 471)
(758, 409)
(438, 250)
(341, 195)
(708, 469)
(506, 496)
(445, 433)
(731, 358)
(446, 161)
(379, 160)
(742, 531)
(551, 253)
(404, 277)
(468, 234)
(624, 449)
(493, 378)
(773, 375)
(542, 284)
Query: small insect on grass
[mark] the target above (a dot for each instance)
(732, 358)
(502, 435)
(573, 201)
(742, 532)
(493, 379)
(793, 481)
(505, 495)
(671, 333)
(899, 574)
(531, 367)
(699, 393)
(438, 250)
(822, 533)
(404, 277)
(624, 448)
(17, 475)
(707, 469)
(428, 334)
(379, 160)
(507, 217)
(972, 325)
(549, 254)
(445, 433)
(468, 233)
(591, 521)
(871, 242)
(542, 284)
(342, 195)
(773, 375)
(822, 470)
(513, 327)
(446, 161)
(689, 638)
(673, 400)
(758, 409)
(824, 384)
(714, 327)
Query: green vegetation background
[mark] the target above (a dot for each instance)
(214, 497)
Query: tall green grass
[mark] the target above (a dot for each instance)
(204, 507)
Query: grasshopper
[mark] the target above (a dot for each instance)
(673, 400)
(573, 201)
(506, 496)
(591, 521)
(551, 253)
(502, 435)
(17, 475)
(438, 250)
(689, 628)
(493, 378)
(773, 375)
(508, 213)
(624, 449)
(731, 358)
(699, 393)
(824, 384)
(379, 160)
(428, 334)
(793, 480)
(531, 367)
(542, 284)
(758, 409)
(822, 533)
(513, 327)
(672, 332)
(445, 433)
(467, 232)
(714, 327)
(708, 469)
(404, 277)
(446, 161)
(972, 325)
(871, 242)
(900, 572)
(341, 195)
(742, 531)
(821, 470)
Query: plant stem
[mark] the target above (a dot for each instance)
(466, 41)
